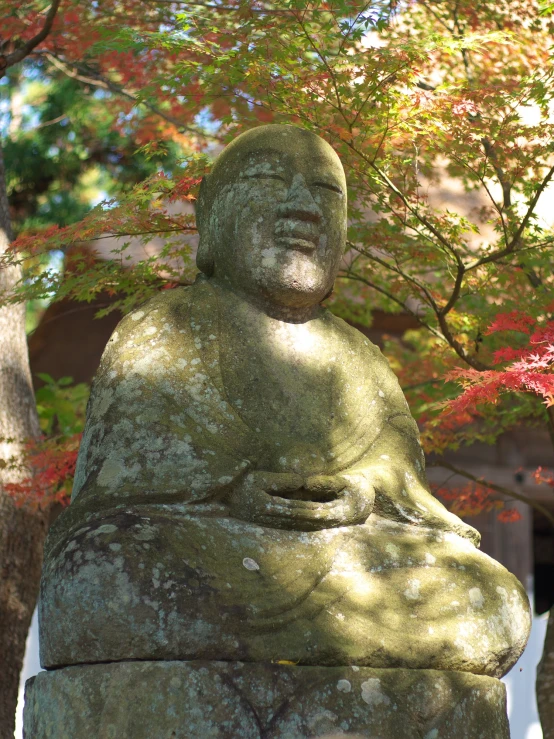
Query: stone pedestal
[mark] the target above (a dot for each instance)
(200, 700)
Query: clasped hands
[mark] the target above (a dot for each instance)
(286, 500)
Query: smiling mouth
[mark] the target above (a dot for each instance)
(296, 243)
(296, 234)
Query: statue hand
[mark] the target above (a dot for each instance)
(289, 501)
(327, 487)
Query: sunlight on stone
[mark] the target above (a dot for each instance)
(251, 516)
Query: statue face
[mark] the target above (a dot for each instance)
(278, 216)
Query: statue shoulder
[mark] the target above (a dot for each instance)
(161, 306)
(380, 371)
(167, 307)
(355, 339)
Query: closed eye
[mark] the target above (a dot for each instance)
(328, 186)
(264, 176)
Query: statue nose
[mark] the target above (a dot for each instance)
(299, 203)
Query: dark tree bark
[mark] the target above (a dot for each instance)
(544, 687)
(22, 531)
(545, 681)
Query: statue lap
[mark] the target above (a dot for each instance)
(149, 583)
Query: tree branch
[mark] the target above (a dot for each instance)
(456, 291)
(19, 54)
(350, 27)
(419, 285)
(97, 80)
(414, 211)
(490, 151)
(327, 67)
(513, 243)
(458, 348)
(523, 225)
(358, 278)
(440, 313)
(60, 118)
(497, 488)
(437, 17)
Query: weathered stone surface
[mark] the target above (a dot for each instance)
(147, 563)
(150, 582)
(251, 486)
(196, 700)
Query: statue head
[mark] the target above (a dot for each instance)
(272, 216)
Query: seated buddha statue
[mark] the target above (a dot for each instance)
(250, 484)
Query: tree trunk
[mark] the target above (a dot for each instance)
(545, 681)
(22, 532)
(544, 686)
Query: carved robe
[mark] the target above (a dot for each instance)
(196, 391)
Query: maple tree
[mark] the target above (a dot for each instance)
(392, 129)
(63, 150)
(52, 458)
(411, 97)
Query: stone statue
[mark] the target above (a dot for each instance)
(251, 489)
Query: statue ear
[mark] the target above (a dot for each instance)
(204, 255)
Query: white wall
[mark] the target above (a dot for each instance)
(520, 683)
(31, 665)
